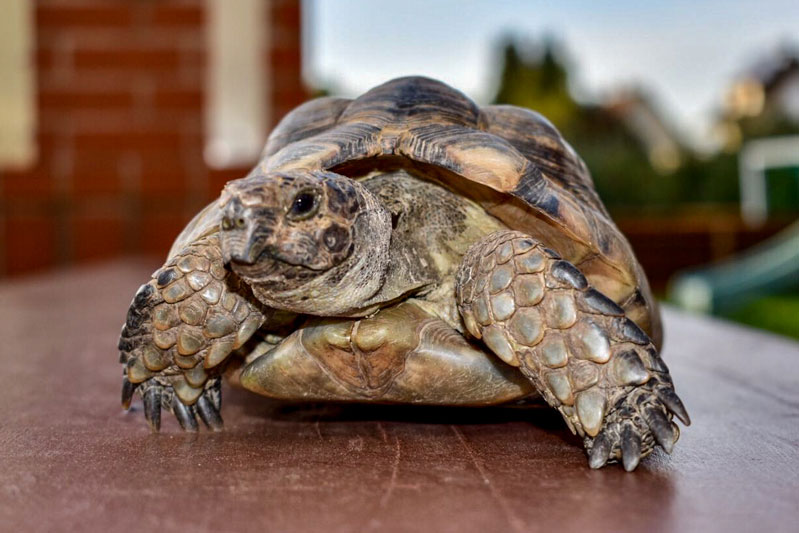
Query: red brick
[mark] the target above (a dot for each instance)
(33, 183)
(179, 98)
(77, 98)
(217, 178)
(158, 230)
(97, 14)
(164, 59)
(97, 181)
(178, 15)
(285, 56)
(132, 140)
(161, 160)
(45, 59)
(30, 242)
(97, 237)
(286, 13)
(165, 183)
(97, 172)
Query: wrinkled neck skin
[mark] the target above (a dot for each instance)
(345, 289)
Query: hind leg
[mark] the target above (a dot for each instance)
(537, 312)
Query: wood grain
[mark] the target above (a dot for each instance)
(71, 460)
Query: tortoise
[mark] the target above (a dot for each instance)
(409, 246)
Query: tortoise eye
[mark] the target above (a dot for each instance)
(304, 205)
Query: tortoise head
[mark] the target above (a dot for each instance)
(308, 242)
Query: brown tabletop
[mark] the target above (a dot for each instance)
(71, 460)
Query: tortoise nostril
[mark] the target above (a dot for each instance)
(227, 224)
(240, 222)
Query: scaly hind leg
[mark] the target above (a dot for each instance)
(537, 312)
(181, 328)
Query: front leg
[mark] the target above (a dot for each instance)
(180, 330)
(537, 312)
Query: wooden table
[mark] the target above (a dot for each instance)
(71, 460)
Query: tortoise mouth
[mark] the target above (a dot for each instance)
(268, 267)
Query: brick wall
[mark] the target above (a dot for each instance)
(120, 129)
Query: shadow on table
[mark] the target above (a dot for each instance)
(537, 414)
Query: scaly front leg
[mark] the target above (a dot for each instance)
(537, 312)
(181, 328)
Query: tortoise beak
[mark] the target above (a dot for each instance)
(238, 238)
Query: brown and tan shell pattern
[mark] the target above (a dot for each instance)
(511, 160)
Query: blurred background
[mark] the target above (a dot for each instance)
(120, 119)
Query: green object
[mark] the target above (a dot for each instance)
(767, 268)
(778, 313)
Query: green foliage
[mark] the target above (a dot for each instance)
(775, 313)
(619, 162)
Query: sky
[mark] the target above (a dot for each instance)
(684, 53)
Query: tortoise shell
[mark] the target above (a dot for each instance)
(511, 160)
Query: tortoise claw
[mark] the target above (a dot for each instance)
(152, 407)
(184, 414)
(209, 413)
(675, 405)
(630, 447)
(600, 452)
(661, 428)
(128, 389)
